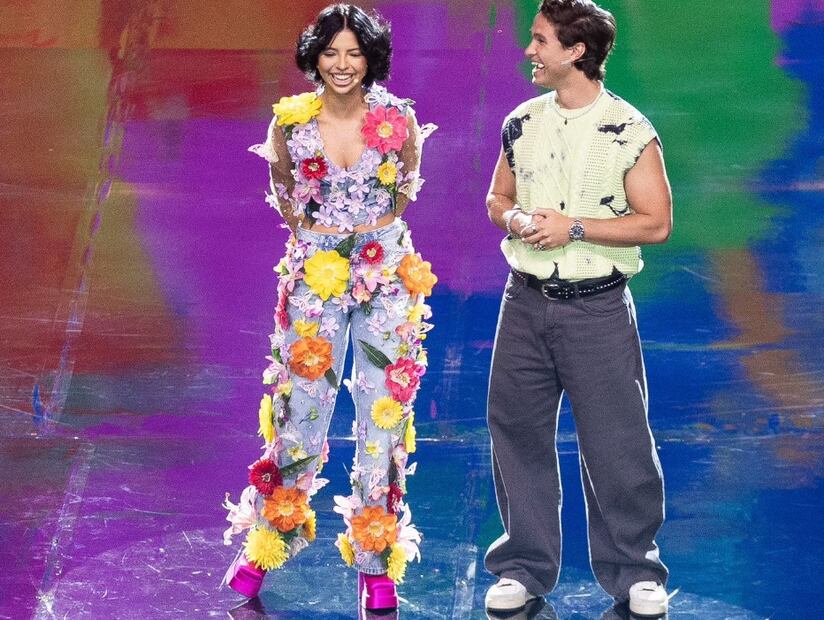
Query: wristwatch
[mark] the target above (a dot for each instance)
(576, 231)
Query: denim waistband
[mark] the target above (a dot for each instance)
(328, 241)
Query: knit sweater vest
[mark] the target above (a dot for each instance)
(616, 143)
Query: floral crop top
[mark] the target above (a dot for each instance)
(318, 190)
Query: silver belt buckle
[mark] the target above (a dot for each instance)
(545, 288)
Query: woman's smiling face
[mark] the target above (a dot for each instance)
(342, 65)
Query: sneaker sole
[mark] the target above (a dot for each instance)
(502, 606)
(651, 610)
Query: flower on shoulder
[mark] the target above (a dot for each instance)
(374, 530)
(265, 548)
(345, 547)
(417, 274)
(314, 168)
(298, 109)
(265, 476)
(396, 564)
(266, 419)
(385, 129)
(372, 252)
(286, 508)
(310, 357)
(304, 328)
(387, 173)
(327, 274)
(386, 412)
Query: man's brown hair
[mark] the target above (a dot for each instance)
(583, 21)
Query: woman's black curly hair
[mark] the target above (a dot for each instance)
(372, 31)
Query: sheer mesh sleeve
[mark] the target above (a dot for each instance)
(410, 156)
(281, 177)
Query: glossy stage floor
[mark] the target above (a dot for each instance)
(137, 290)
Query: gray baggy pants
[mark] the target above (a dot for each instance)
(589, 348)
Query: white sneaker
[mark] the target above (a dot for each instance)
(647, 598)
(507, 595)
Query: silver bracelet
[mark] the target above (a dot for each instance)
(508, 222)
(508, 216)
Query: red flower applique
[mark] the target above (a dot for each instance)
(281, 312)
(393, 499)
(314, 168)
(385, 129)
(265, 476)
(402, 379)
(372, 252)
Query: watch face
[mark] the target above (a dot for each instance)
(576, 231)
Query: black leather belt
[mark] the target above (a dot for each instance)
(555, 288)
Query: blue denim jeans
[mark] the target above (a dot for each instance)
(374, 321)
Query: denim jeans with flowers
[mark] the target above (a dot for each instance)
(369, 289)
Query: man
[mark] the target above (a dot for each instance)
(579, 185)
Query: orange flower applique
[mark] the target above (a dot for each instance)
(286, 508)
(417, 274)
(310, 357)
(374, 529)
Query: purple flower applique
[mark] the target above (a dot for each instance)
(328, 398)
(363, 383)
(329, 326)
(344, 302)
(308, 190)
(314, 308)
(358, 189)
(345, 222)
(303, 144)
(376, 323)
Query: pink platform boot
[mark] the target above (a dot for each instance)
(245, 577)
(377, 592)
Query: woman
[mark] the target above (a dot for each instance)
(344, 164)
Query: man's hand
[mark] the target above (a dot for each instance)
(549, 230)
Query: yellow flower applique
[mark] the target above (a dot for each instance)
(415, 314)
(327, 274)
(305, 328)
(396, 564)
(387, 173)
(265, 548)
(285, 389)
(265, 417)
(386, 413)
(310, 527)
(346, 550)
(297, 110)
(410, 435)
(373, 449)
(296, 453)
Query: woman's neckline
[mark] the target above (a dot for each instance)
(325, 153)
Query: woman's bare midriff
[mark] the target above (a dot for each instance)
(360, 228)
